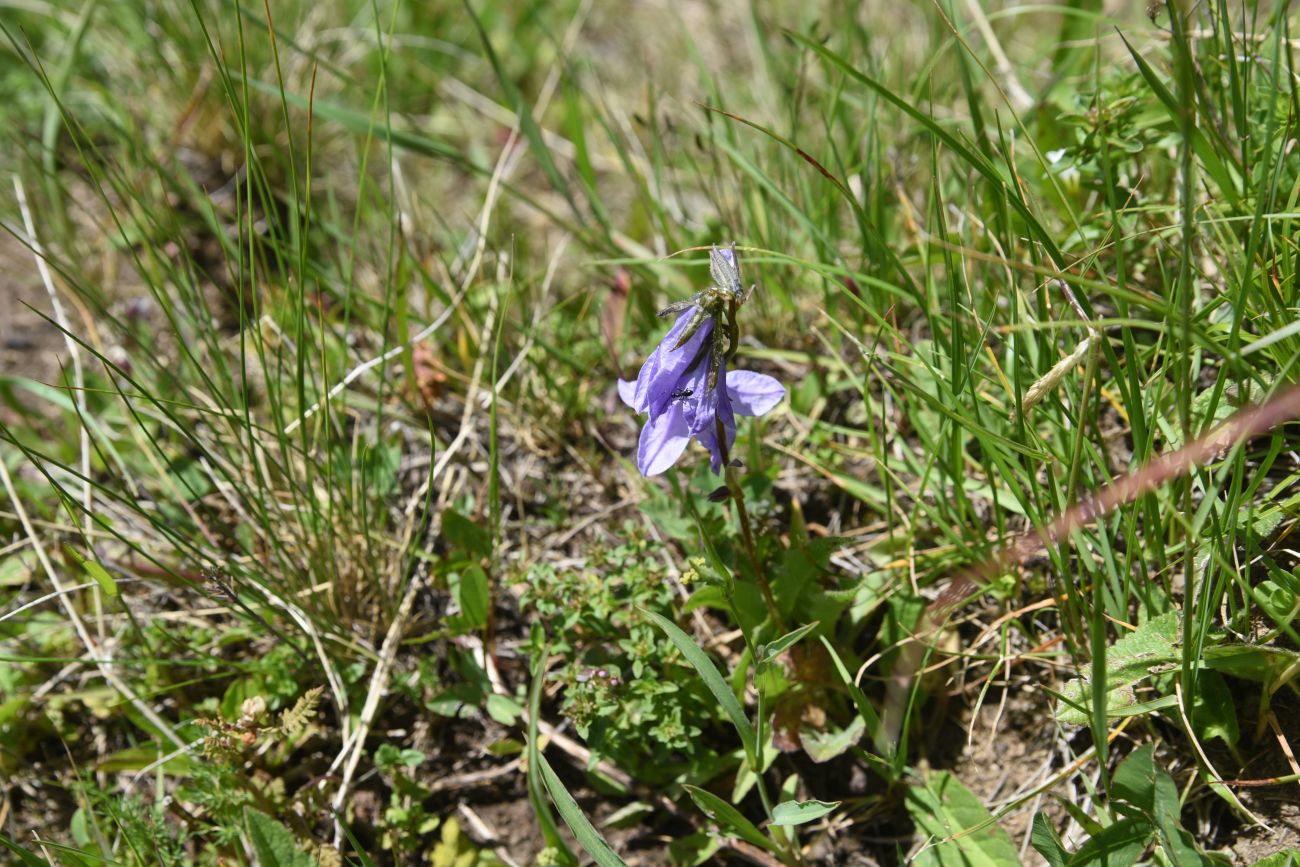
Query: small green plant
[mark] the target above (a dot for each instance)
(621, 681)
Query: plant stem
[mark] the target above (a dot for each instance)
(746, 531)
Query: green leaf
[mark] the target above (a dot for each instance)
(1047, 842)
(583, 831)
(1214, 714)
(1128, 661)
(994, 174)
(728, 817)
(865, 709)
(473, 596)
(965, 833)
(462, 533)
(536, 786)
(799, 812)
(822, 746)
(1287, 858)
(1142, 784)
(785, 642)
(361, 123)
(1227, 182)
(712, 679)
(1136, 782)
(504, 709)
(273, 843)
(390, 756)
(1119, 845)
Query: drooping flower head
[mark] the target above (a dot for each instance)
(685, 386)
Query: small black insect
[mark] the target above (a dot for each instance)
(682, 393)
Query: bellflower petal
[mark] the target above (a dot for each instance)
(627, 391)
(709, 437)
(753, 393)
(698, 405)
(659, 375)
(663, 440)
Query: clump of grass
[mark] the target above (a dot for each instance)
(344, 302)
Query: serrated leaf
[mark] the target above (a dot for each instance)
(273, 843)
(728, 817)
(963, 830)
(1128, 661)
(799, 812)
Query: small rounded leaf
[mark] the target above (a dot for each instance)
(799, 812)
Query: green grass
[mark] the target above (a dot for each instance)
(344, 294)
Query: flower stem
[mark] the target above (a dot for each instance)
(746, 531)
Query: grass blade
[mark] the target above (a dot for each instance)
(712, 679)
(588, 837)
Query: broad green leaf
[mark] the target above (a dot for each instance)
(1135, 780)
(460, 532)
(1250, 662)
(587, 836)
(273, 843)
(1214, 713)
(1047, 842)
(799, 812)
(1119, 845)
(1144, 785)
(1288, 858)
(963, 830)
(473, 596)
(712, 679)
(504, 709)
(728, 817)
(1128, 661)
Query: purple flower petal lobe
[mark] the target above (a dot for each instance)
(753, 393)
(627, 391)
(663, 440)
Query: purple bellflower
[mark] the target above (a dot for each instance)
(685, 386)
